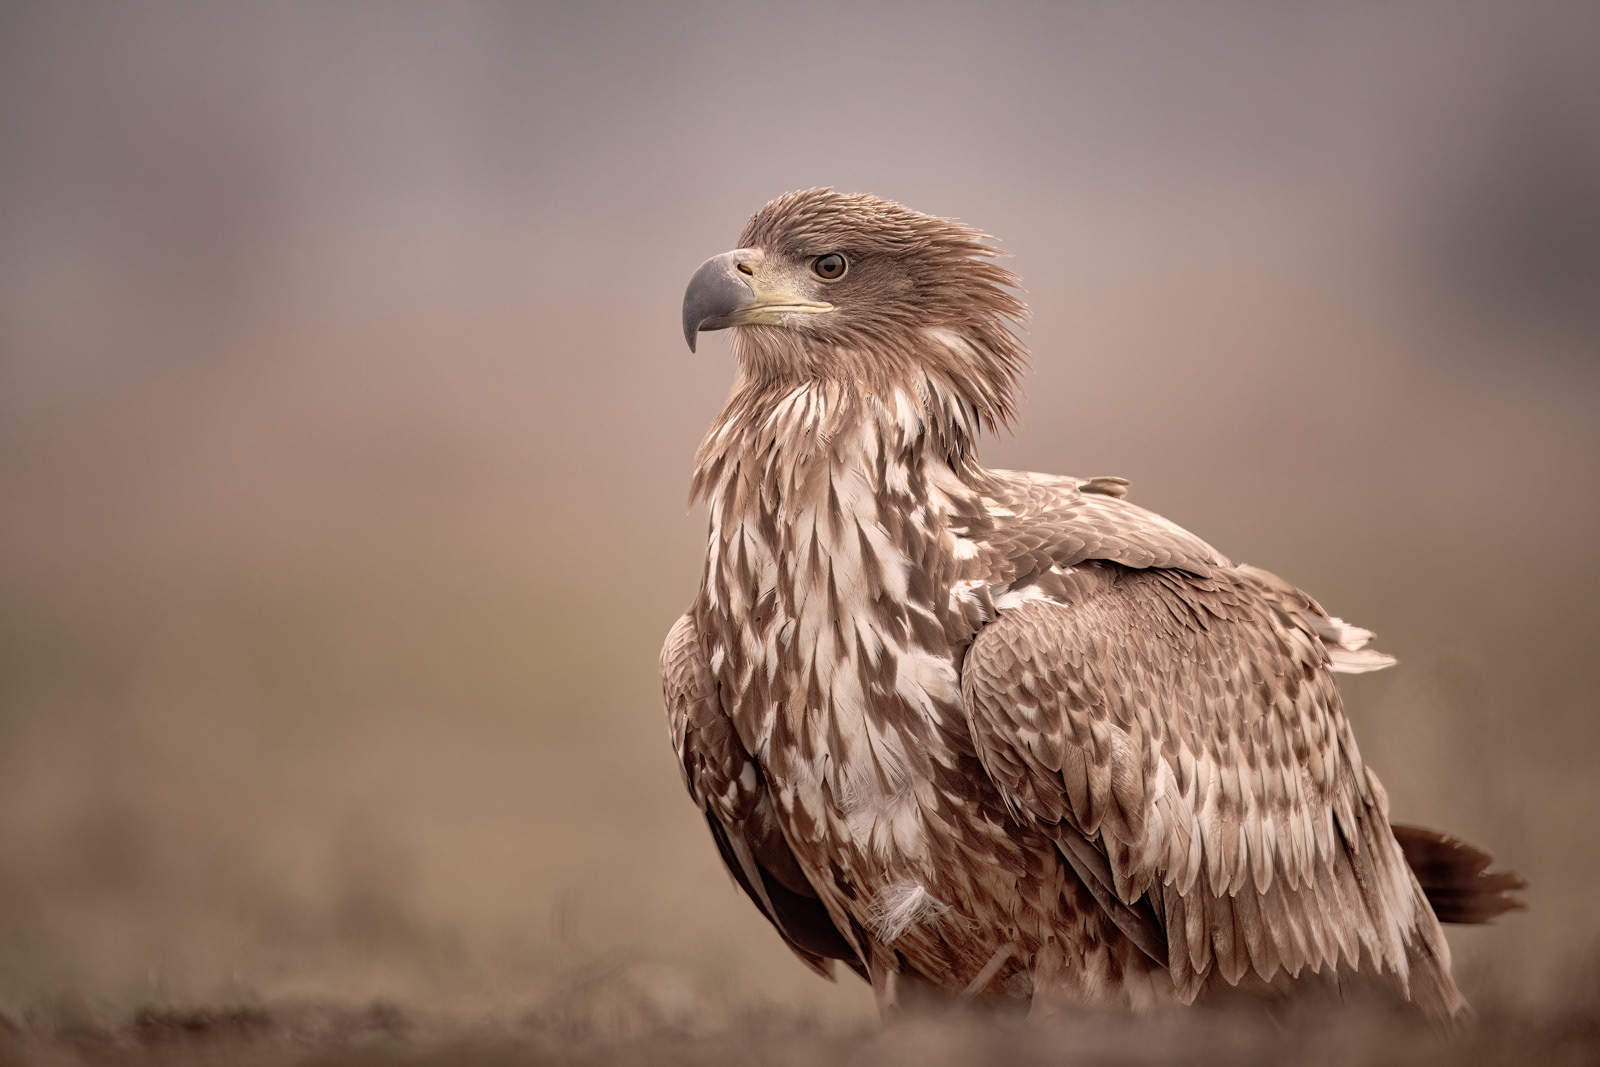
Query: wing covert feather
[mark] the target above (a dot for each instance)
(1034, 522)
(1186, 725)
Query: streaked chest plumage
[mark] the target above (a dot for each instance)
(836, 608)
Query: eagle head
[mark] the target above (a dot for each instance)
(852, 287)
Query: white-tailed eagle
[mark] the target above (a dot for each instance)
(1005, 735)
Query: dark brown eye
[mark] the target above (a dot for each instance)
(830, 266)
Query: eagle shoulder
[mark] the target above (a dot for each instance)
(1030, 526)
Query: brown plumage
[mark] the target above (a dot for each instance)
(997, 734)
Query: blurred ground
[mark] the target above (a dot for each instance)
(635, 1029)
(345, 429)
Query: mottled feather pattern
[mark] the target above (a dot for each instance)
(829, 612)
(726, 783)
(1003, 734)
(1235, 796)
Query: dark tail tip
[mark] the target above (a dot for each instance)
(1456, 878)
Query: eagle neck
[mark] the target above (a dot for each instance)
(772, 431)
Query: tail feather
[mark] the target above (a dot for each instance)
(1456, 879)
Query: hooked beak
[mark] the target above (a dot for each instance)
(728, 290)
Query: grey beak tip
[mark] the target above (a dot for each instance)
(716, 291)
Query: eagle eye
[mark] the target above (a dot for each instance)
(829, 267)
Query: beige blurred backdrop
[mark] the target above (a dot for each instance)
(346, 423)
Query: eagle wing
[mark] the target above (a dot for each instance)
(1171, 720)
(727, 785)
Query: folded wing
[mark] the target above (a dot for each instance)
(1171, 720)
(728, 787)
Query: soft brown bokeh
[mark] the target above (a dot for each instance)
(345, 426)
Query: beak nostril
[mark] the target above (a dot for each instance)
(744, 268)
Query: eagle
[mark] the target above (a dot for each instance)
(999, 737)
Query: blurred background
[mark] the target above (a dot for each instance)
(346, 425)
